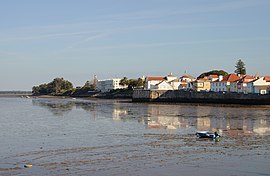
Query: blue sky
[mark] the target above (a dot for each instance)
(76, 39)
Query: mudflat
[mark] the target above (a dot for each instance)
(107, 137)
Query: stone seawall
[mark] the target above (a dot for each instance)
(182, 96)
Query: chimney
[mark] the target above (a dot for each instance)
(220, 78)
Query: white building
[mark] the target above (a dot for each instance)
(187, 78)
(163, 85)
(169, 82)
(258, 86)
(109, 84)
(223, 84)
(240, 85)
(175, 84)
(186, 82)
(213, 78)
(152, 81)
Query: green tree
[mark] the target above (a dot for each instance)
(42, 89)
(141, 82)
(124, 81)
(35, 90)
(57, 87)
(213, 72)
(132, 83)
(240, 67)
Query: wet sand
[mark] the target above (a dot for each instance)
(163, 155)
(63, 137)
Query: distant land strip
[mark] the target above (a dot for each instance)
(15, 93)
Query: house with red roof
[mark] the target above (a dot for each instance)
(186, 82)
(187, 78)
(151, 81)
(163, 85)
(260, 85)
(241, 84)
(214, 77)
(223, 84)
(169, 82)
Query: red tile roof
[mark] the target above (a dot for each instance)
(187, 76)
(267, 78)
(214, 76)
(230, 78)
(247, 79)
(152, 78)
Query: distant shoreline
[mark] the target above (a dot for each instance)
(15, 93)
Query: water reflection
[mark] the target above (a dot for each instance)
(233, 121)
(60, 107)
(168, 117)
(230, 120)
(119, 114)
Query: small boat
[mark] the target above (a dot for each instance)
(207, 134)
(28, 165)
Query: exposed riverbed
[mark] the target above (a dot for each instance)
(112, 137)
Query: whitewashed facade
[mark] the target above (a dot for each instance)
(186, 82)
(169, 82)
(240, 85)
(151, 82)
(175, 84)
(224, 83)
(219, 86)
(109, 84)
(163, 85)
(187, 78)
(259, 86)
(215, 77)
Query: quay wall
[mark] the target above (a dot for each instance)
(182, 96)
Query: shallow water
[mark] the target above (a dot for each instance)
(112, 137)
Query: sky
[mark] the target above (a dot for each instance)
(77, 39)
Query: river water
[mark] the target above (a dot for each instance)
(115, 137)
